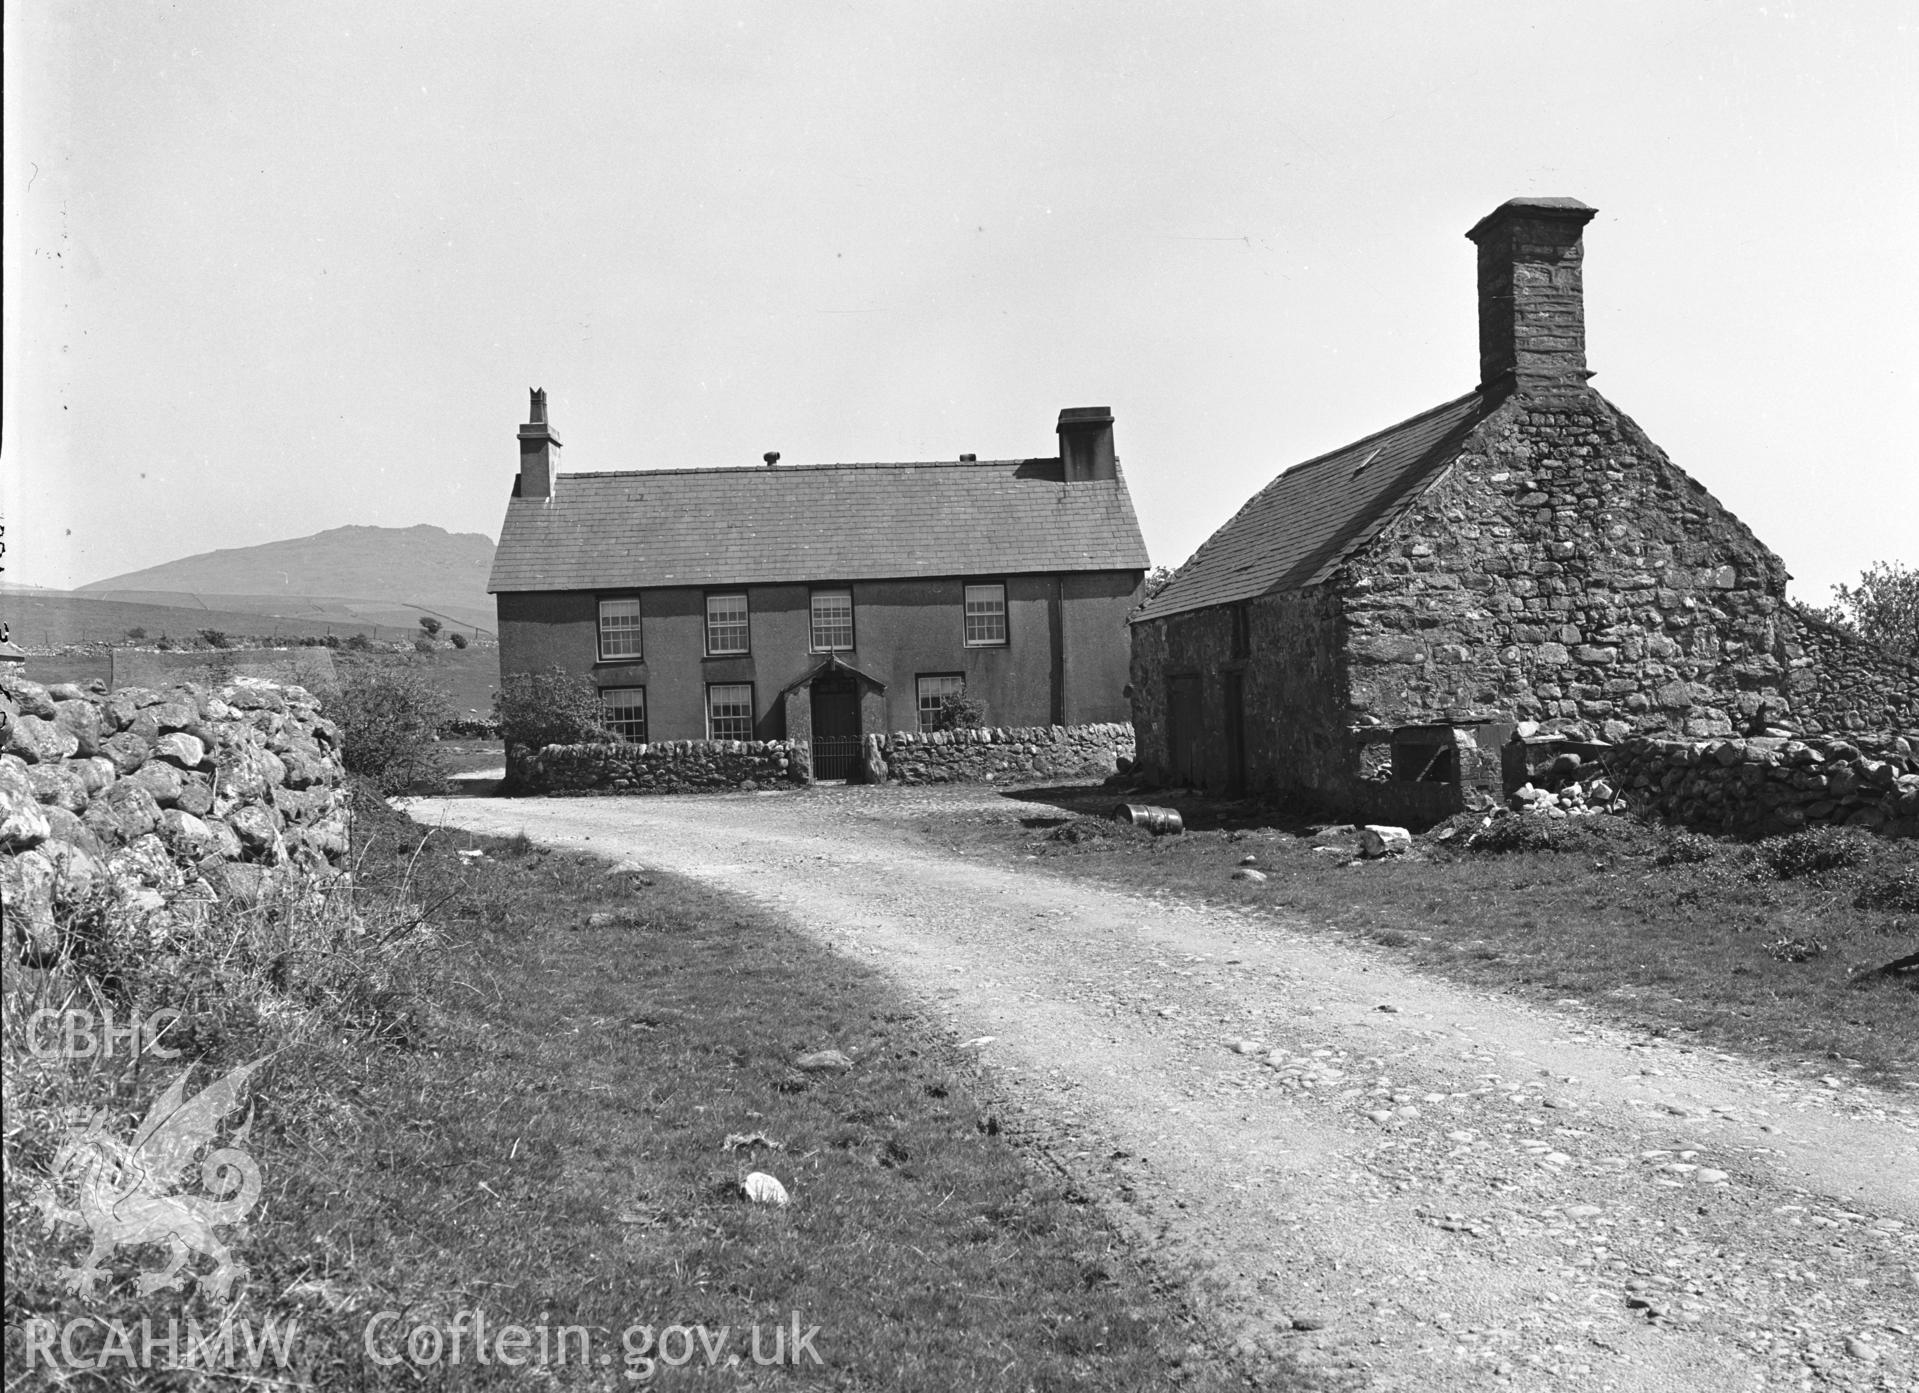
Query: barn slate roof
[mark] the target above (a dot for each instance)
(824, 522)
(1293, 532)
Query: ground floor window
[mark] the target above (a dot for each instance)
(729, 711)
(625, 709)
(934, 689)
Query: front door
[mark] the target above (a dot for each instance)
(836, 726)
(1183, 730)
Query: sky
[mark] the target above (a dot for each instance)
(274, 269)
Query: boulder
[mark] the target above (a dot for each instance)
(81, 720)
(38, 740)
(177, 747)
(22, 823)
(63, 826)
(31, 699)
(59, 785)
(162, 781)
(26, 884)
(1378, 841)
(186, 834)
(127, 750)
(823, 1062)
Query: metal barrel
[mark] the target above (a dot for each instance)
(1158, 821)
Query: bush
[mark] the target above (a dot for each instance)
(359, 643)
(136, 633)
(423, 644)
(163, 642)
(431, 625)
(1816, 851)
(457, 639)
(959, 711)
(1897, 893)
(555, 707)
(388, 717)
(1685, 849)
(215, 638)
(332, 640)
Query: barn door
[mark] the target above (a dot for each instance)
(1234, 692)
(1183, 729)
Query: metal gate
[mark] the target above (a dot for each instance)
(836, 756)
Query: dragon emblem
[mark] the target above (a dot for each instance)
(127, 1189)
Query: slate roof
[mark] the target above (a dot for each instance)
(1295, 530)
(814, 523)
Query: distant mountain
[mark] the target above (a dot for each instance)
(425, 568)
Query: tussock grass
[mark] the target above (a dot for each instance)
(529, 1086)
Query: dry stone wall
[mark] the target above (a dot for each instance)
(1763, 785)
(1838, 683)
(148, 797)
(991, 754)
(664, 766)
(713, 766)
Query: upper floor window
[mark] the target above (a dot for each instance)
(985, 616)
(620, 628)
(625, 709)
(832, 621)
(725, 624)
(729, 711)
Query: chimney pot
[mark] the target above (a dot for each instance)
(1532, 313)
(772, 457)
(1086, 443)
(969, 459)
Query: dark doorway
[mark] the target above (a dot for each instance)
(1183, 730)
(836, 726)
(1233, 690)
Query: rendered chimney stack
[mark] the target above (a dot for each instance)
(1086, 443)
(1532, 311)
(539, 452)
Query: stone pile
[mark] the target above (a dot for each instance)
(989, 753)
(1568, 787)
(1765, 784)
(146, 796)
(664, 766)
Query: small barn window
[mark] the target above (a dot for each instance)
(1242, 631)
(625, 712)
(620, 628)
(729, 711)
(832, 621)
(725, 624)
(985, 616)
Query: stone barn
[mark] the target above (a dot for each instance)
(1372, 626)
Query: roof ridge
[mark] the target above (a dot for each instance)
(1396, 427)
(771, 470)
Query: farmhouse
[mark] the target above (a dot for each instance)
(826, 602)
(1373, 624)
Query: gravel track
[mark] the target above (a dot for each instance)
(1406, 1183)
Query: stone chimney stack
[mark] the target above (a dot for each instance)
(1532, 311)
(539, 452)
(1086, 443)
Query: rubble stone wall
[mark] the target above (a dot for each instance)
(1839, 683)
(1758, 786)
(990, 754)
(1563, 570)
(145, 796)
(664, 766)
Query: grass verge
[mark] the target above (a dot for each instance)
(1759, 947)
(514, 1090)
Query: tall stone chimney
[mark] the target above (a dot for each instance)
(1532, 311)
(1086, 443)
(539, 452)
